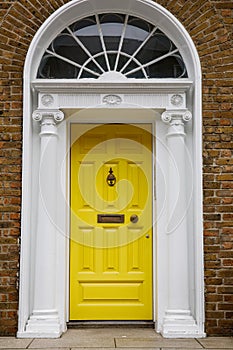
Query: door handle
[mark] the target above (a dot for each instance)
(134, 218)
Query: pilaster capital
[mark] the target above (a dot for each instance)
(176, 120)
(40, 114)
(48, 120)
(176, 117)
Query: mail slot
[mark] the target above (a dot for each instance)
(111, 218)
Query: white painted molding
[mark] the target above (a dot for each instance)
(42, 325)
(79, 91)
(180, 324)
(84, 86)
(64, 95)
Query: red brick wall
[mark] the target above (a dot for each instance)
(210, 24)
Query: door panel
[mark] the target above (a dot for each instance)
(111, 262)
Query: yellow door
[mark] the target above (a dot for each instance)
(111, 222)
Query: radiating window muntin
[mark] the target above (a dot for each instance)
(101, 43)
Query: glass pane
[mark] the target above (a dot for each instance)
(111, 18)
(140, 24)
(66, 46)
(170, 67)
(92, 43)
(132, 65)
(83, 23)
(86, 74)
(102, 61)
(136, 32)
(157, 46)
(130, 45)
(122, 61)
(54, 68)
(112, 27)
(112, 60)
(87, 32)
(179, 67)
(92, 66)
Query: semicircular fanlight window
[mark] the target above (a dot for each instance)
(111, 42)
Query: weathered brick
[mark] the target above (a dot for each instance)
(210, 306)
(225, 290)
(225, 306)
(224, 273)
(215, 314)
(224, 323)
(214, 297)
(211, 323)
(227, 262)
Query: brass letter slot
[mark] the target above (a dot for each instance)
(111, 218)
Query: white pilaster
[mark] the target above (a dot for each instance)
(178, 321)
(44, 320)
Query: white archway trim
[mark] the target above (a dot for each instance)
(49, 96)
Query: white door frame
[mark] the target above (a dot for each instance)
(45, 201)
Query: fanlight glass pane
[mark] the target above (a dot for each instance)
(53, 68)
(157, 46)
(122, 62)
(112, 26)
(136, 32)
(65, 45)
(86, 31)
(131, 66)
(102, 61)
(170, 66)
(115, 42)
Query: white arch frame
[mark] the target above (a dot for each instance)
(34, 90)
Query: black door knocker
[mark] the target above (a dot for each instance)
(111, 179)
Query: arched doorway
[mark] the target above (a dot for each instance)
(117, 77)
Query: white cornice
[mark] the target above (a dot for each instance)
(63, 86)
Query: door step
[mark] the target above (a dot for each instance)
(110, 324)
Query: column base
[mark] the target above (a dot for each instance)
(42, 324)
(180, 324)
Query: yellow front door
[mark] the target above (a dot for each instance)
(111, 222)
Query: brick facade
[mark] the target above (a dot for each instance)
(209, 23)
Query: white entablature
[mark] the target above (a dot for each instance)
(172, 95)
